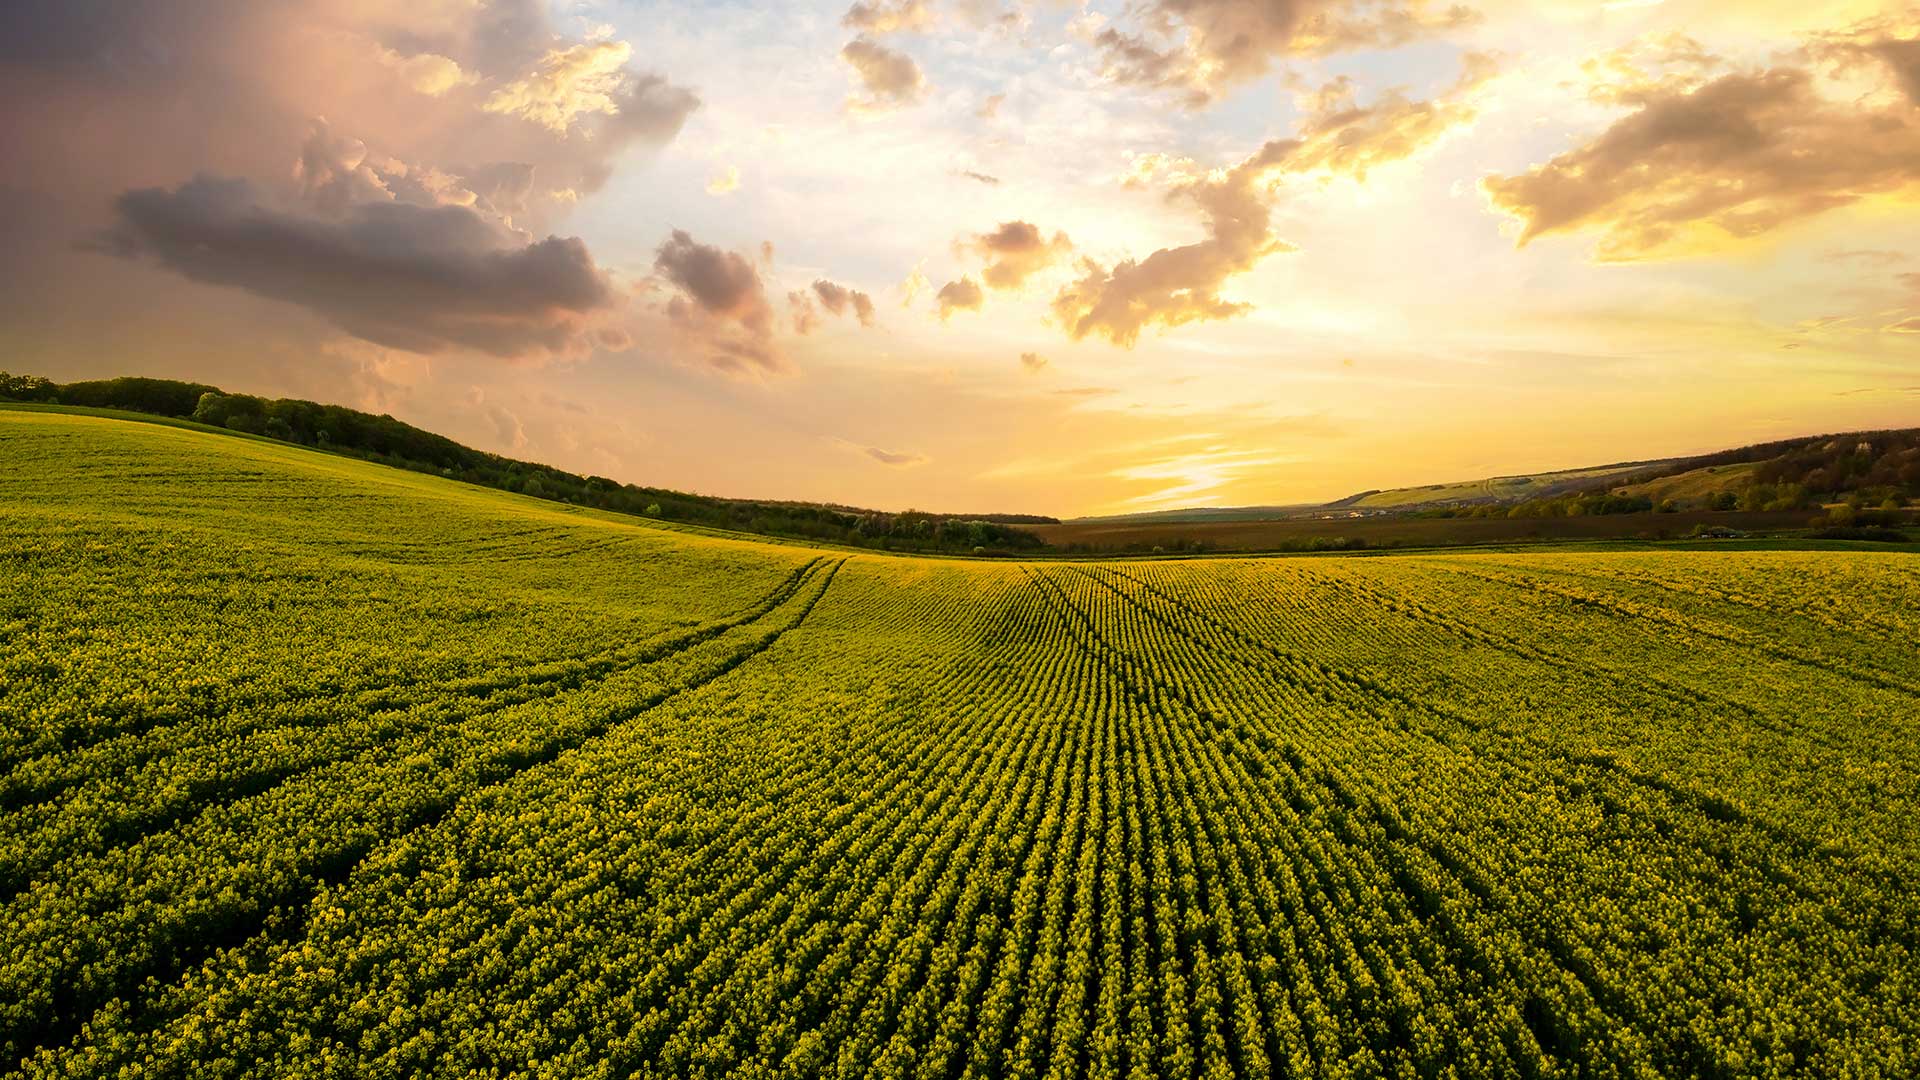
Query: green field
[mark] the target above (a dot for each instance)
(1694, 484)
(318, 768)
(1496, 489)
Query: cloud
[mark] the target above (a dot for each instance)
(421, 278)
(1179, 285)
(839, 299)
(1033, 362)
(884, 17)
(962, 295)
(507, 427)
(1649, 67)
(1016, 251)
(990, 181)
(891, 78)
(914, 284)
(581, 81)
(895, 460)
(725, 182)
(113, 108)
(1880, 256)
(1695, 168)
(1200, 48)
(1890, 41)
(1911, 323)
(587, 93)
(427, 73)
(461, 85)
(990, 108)
(1341, 137)
(722, 308)
(333, 171)
(806, 317)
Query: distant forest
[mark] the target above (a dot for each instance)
(388, 441)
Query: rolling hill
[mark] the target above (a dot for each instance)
(1498, 489)
(335, 429)
(1878, 465)
(317, 767)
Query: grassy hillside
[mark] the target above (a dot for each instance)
(1495, 489)
(313, 767)
(335, 429)
(1870, 468)
(1695, 485)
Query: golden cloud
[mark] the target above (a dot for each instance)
(962, 295)
(1016, 251)
(1179, 285)
(890, 77)
(1199, 48)
(1341, 137)
(582, 80)
(1698, 166)
(427, 73)
(884, 17)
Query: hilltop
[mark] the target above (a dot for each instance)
(381, 438)
(1854, 485)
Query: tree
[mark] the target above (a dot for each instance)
(27, 387)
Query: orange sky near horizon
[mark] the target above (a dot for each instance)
(986, 255)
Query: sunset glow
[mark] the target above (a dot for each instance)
(972, 255)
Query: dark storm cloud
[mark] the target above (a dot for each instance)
(422, 278)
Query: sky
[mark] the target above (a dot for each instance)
(1028, 256)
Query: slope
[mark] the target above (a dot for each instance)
(314, 767)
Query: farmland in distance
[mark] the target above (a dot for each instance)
(313, 767)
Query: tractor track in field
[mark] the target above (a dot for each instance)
(188, 944)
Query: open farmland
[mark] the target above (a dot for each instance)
(313, 767)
